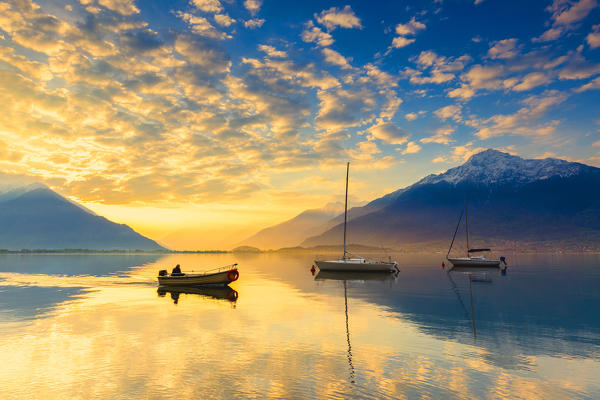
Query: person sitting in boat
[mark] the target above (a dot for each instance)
(176, 270)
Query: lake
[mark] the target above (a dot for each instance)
(95, 326)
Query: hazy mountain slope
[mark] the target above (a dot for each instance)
(38, 218)
(509, 198)
(293, 231)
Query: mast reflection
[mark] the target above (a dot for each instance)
(346, 276)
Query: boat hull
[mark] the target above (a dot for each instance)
(345, 265)
(217, 279)
(355, 275)
(473, 262)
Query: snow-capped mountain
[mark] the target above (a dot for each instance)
(493, 166)
(510, 199)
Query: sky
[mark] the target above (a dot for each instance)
(200, 122)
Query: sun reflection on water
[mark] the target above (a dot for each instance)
(283, 336)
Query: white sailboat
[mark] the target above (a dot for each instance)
(469, 260)
(349, 261)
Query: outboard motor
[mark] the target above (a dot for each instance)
(163, 272)
(503, 261)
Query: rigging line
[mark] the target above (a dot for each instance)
(457, 292)
(455, 231)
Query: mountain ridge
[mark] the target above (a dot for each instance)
(509, 198)
(36, 217)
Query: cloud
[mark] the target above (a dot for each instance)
(565, 14)
(440, 69)
(335, 58)
(479, 77)
(403, 30)
(253, 6)
(441, 136)
(410, 28)
(452, 111)
(314, 34)
(211, 58)
(593, 38)
(411, 116)
(208, 6)
(594, 84)
(224, 20)
(272, 51)
(401, 41)
(464, 152)
(411, 148)
(380, 77)
(336, 17)
(365, 150)
(254, 23)
(550, 35)
(503, 49)
(578, 68)
(388, 132)
(125, 7)
(524, 121)
(153, 117)
(201, 26)
(341, 109)
(568, 12)
(532, 80)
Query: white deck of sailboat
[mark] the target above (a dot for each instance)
(355, 264)
(473, 262)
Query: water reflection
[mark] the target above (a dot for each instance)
(216, 292)
(346, 276)
(406, 336)
(31, 302)
(74, 264)
(474, 275)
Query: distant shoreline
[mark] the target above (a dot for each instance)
(333, 249)
(106, 252)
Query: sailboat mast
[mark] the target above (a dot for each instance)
(467, 227)
(346, 208)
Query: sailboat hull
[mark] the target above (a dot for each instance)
(356, 265)
(473, 262)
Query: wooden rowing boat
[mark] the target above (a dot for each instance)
(217, 277)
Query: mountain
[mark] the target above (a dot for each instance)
(35, 217)
(509, 199)
(293, 231)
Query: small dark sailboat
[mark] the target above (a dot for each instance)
(470, 260)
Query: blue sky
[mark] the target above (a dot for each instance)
(220, 107)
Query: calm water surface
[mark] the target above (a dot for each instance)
(97, 327)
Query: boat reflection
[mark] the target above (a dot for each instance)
(356, 276)
(473, 275)
(346, 276)
(216, 292)
(479, 271)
